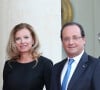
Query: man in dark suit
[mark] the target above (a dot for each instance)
(85, 70)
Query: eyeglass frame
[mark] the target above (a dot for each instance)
(75, 38)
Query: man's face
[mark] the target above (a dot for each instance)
(72, 40)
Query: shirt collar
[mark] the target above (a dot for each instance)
(77, 58)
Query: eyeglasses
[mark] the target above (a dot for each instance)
(67, 39)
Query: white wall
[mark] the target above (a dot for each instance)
(44, 15)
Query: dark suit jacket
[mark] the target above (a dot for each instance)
(85, 77)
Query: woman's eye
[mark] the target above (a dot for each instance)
(16, 39)
(26, 37)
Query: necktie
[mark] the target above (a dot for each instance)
(67, 74)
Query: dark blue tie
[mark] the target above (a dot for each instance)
(67, 74)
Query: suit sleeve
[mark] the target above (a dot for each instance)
(96, 77)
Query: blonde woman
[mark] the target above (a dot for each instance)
(25, 69)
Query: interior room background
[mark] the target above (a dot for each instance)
(45, 17)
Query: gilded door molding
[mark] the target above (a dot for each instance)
(66, 11)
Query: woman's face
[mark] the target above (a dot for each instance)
(24, 40)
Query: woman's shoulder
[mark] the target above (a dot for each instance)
(9, 63)
(45, 59)
(8, 66)
(45, 64)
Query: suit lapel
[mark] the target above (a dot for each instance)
(79, 70)
(59, 74)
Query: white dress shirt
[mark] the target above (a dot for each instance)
(73, 67)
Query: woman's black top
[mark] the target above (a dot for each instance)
(27, 76)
